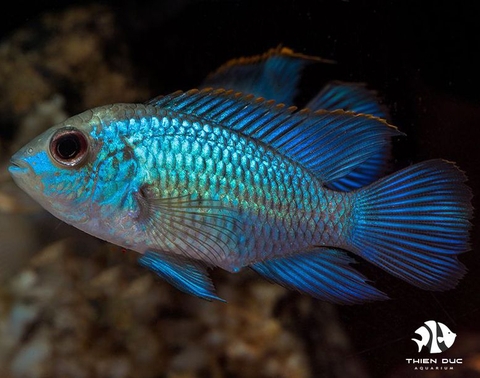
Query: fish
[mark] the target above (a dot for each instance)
(436, 336)
(218, 179)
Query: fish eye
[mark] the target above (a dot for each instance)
(69, 147)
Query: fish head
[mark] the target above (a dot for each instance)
(55, 167)
(448, 337)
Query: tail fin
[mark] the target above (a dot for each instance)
(419, 343)
(414, 223)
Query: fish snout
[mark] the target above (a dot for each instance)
(18, 166)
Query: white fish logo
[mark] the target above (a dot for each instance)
(436, 336)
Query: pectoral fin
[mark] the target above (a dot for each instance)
(323, 273)
(191, 226)
(185, 274)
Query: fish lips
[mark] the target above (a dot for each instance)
(25, 178)
(18, 167)
(21, 172)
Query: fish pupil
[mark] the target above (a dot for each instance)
(68, 147)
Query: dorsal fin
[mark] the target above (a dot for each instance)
(349, 96)
(357, 98)
(330, 144)
(274, 74)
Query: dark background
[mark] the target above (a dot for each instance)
(422, 57)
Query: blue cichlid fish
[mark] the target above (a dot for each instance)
(214, 178)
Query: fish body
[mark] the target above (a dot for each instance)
(436, 336)
(216, 178)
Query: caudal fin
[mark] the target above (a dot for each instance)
(419, 343)
(414, 223)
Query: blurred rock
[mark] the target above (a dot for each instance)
(12, 199)
(19, 242)
(68, 315)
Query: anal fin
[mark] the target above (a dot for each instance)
(185, 274)
(323, 273)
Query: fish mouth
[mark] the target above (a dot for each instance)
(18, 167)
